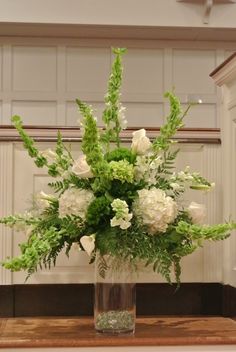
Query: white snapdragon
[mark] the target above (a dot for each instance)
(88, 243)
(146, 168)
(121, 117)
(75, 201)
(81, 167)
(155, 209)
(140, 142)
(21, 225)
(176, 186)
(122, 217)
(197, 212)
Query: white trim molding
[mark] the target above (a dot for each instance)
(6, 192)
(225, 77)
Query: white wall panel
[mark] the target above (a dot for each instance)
(1, 67)
(34, 68)
(87, 70)
(144, 114)
(36, 112)
(191, 69)
(41, 71)
(201, 116)
(143, 74)
(1, 117)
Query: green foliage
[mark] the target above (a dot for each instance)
(28, 143)
(64, 159)
(102, 267)
(174, 122)
(163, 251)
(12, 220)
(98, 211)
(39, 249)
(111, 113)
(124, 190)
(59, 186)
(199, 182)
(165, 169)
(197, 232)
(91, 142)
(121, 153)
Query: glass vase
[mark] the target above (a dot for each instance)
(115, 301)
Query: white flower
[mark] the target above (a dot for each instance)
(146, 169)
(176, 186)
(155, 209)
(75, 201)
(121, 117)
(88, 243)
(76, 246)
(81, 167)
(140, 143)
(49, 154)
(42, 200)
(197, 212)
(122, 217)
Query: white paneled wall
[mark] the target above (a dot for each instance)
(40, 79)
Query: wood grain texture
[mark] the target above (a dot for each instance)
(79, 332)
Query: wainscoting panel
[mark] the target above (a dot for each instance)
(40, 79)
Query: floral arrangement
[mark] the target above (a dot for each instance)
(125, 202)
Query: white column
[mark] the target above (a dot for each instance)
(225, 77)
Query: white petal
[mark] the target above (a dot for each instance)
(88, 243)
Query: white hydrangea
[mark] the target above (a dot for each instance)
(75, 201)
(122, 217)
(146, 168)
(155, 209)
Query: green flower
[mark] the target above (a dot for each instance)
(122, 170)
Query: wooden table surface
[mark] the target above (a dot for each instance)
(151, 331)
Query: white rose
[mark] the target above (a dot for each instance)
(197, 212)
(88, 243)
(42, 200)
(140, 143)
(81, 167)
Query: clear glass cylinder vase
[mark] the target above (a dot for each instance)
(115, 296)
